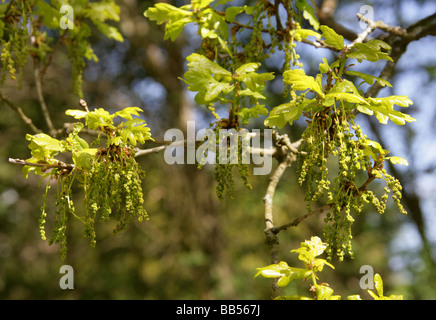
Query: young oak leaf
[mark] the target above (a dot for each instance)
(43, 147)
(384, 109)
(308, 13)
(298, 80)
(332, 38)
(378, 283)
(247, 113)
(287, 112)
(370, 51)
(127, 113)
(177, 18)
(206, 77)
(369, 79)
(284, 272)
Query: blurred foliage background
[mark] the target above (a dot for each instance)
(195, 246)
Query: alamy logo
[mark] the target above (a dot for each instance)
(67, 280)
(367, 12)
(67, 20)
(367, 280)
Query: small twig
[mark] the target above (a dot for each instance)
(320, 44)
(141, 152)
(42, 103)
(297, 221)
(49, 59)
(60, 165)
(83, 105)
(361, 37)
(398, 31)
(20, 112)
(362, 188)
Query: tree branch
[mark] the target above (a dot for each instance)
(272, 241)
(285, 154)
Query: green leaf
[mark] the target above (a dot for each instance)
(273, 270)
(254, 80)
(310, 249)
(249, 93)
(369, 78)
(102, 11)
(83, 158)
(370, 51)
(384, 109)
(308, 13)
(349, 97)
(300, 34)
(177, 18)
(374, 150)
(247, 68)
(109, 31)
(49, 14)
(162, 12)
(324, 66)
(287, 112)
(134, 131)
(201, 77)
(365, 110)
(199, 62)
(98, 118)
(345, 86)
(232, 12)
(127, 113)
(247, 113)
(324, 292)
(200, 4)
(76, 142)
(332, 38)
(43, 147)
(298, 80)
(77, 114)
(376, 44)
(173, 29)
(398, 160)
(283, 272)
(389, 102)
(213, 21)
(378, 283)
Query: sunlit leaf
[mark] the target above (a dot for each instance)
(298, 80)
(308, 13)
(332, 38)
(162, 12)
(43, 146)
(398, 160)
(77, 114)
(378, 283)
(83, 158)
(369, 78)
(127, 113)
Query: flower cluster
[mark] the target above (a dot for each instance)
(333, 134)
